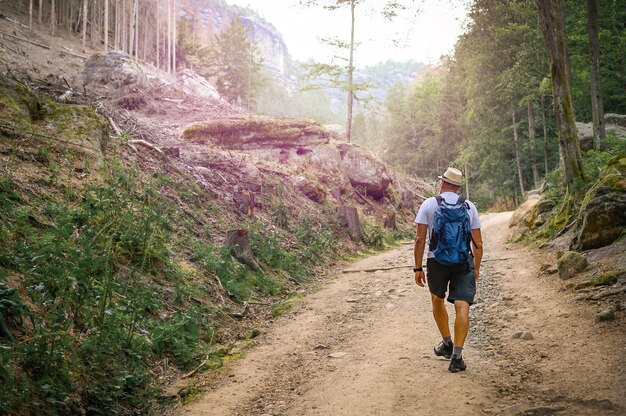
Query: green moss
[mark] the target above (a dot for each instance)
(608, 278)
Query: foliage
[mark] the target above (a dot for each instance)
(462, 113)
(235, 63)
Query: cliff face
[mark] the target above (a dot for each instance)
(211, 16)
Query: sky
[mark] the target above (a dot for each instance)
(422, 36)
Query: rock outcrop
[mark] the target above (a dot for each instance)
(115, 69)
(250, 132)
(365, 171)
(601, 219)
(615, 123)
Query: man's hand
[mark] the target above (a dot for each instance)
(476, 273)
(420, 278)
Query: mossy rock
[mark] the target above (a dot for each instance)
(608, 278)
(570, 264)
(249, 132)
(601, 219)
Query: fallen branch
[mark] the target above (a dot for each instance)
(67, 51)
(363, 199)
(25, 40)
(146, 144)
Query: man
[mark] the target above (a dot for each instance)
(459, 281)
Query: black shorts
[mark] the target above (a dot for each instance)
(460, 280)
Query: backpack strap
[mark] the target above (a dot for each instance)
(439, 198)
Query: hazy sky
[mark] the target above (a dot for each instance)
(423, 36)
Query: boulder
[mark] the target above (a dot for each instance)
(196, 85)
(613, 123)
(601, 218)
(603, 221)
(364, 170)
(251, 132)
(522, 212)
(570, 264)
(115, 69)
(615, 119)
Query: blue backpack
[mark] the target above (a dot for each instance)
(451, 233)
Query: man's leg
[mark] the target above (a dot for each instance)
(441, 316)
(461, 322)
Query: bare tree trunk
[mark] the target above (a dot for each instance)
(545, 136)
(53, 25)
(158, 28)
(106, 26)
(131, 30)
(30, 14)
(124, 28)
(84, 24)
(531, 138)
(145, 32)
(350, 74)
(174, 36)
(40, 16)
(93, 23)
(169, 36)
(517, 152)
(552, 24)
(597, 103)
(136, 30)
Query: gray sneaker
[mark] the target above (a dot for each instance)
(443, 350)
(456, 365)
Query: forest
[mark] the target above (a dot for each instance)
(489, 106)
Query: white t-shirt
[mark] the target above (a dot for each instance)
(427, 212)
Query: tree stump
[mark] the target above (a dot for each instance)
(408, 200)
(349, 217)
(389, 220)
(239, 244)
(336, 192)
(244, 203)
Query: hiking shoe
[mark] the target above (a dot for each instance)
(443, 350)
(456, 365)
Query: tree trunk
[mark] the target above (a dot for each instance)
(597, 103)
(533, 147)
(169, 36)
(545, 136)
(40, 15)
(239, 244)
(93, 23)
(408, 200)
(518, 160)
(389, 220)
(174, 36)
(53, 26)
(106, 26)
(158, 28)
(30, 14)
(124, 28)
(349, 217)
(136, 12)
(84, 38)
(350, 75)
(552, 24)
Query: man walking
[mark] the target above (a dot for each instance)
(453, 263)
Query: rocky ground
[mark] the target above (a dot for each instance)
(362, 345)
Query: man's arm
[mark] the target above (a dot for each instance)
(477, 250)
(418, 252)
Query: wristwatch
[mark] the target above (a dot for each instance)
(417, 269)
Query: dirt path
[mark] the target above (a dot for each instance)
(363, 346)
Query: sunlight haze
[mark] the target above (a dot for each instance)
(422, 36)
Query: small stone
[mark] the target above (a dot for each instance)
(337, 355)
(378, 293)
(528, 336)
(606, 315)
(352, 300)
(517, 335)
(321, 347)
(509, 316)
